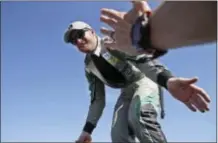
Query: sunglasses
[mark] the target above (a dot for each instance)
(77, 34)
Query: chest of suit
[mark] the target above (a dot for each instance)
(112, 68)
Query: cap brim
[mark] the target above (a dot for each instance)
(67, 36)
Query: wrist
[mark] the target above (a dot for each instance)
(136, 32)
(85, 133)
(88, 127)
(141, 36)
(164, 78)
(170, 81)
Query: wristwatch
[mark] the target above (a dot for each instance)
(136, 32)
(141, 36)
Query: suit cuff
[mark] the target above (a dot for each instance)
(89, 127)
(163, 77)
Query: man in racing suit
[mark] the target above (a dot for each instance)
(138, 77)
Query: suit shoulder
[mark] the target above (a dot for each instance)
(87, 59)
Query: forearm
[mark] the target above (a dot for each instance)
(156, 72)
(97, 103)
(163, 77)
(177, 24)
(94, 114)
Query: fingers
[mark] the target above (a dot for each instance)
(111, 13)
(83, 141)
(202, 98)
(191, 107)
(203, 93)
(109, 21)
(194, 104)
(110, 45)
(106, 31)
(141, 6)
(198, 101)
(203, 104)
(87, 141)
(198, 98)
(198, 105)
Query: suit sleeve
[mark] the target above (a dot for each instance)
(156, 71)
(97, 103)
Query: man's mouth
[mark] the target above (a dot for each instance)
(82, 46)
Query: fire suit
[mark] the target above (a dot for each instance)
(138, 106)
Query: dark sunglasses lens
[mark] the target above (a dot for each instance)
(77, 34)
(80, 34)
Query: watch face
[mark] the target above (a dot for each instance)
(141, 33)
(136, 35)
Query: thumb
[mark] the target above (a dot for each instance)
(141, 6)
(138, 8)
(190, 80)
(110, 45)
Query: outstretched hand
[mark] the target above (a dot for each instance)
(184, 90)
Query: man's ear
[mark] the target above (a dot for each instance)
(93, 32)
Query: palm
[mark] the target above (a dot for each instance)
(191, 95)
(181, 93)
(121, 22)
(122, 37)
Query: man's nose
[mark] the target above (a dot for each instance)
(79, 41)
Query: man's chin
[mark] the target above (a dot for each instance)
(85, 50)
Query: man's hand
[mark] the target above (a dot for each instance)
(121, 30)
(192, 96)
(121, 22)
(84, 138)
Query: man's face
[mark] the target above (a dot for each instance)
(84, 40)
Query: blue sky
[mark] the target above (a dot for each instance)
(45, 94)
